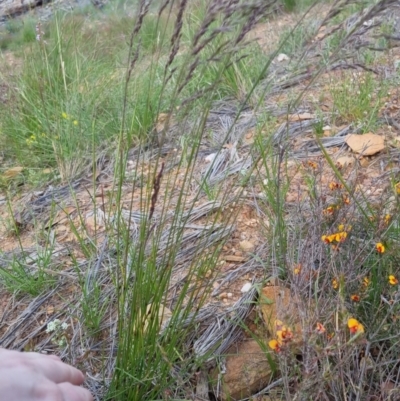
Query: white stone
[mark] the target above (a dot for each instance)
(210, 157)
(246, 287)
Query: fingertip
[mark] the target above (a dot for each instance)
(77, 376)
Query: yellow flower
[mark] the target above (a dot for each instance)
(274, 344)
(29, 141)
(380, 248)
(355, 298)
(75, 122)
(355, 326)
(387, 218)
(366, 282)
(340, 237)
(393, 280)
(297, 269)
(397, 188)
(328, 238)
(320, 329)
(65, 115)
(335, 284)
(341, 227)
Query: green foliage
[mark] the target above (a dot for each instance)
(20, 277)
(290, 4)
(358, 99)
(94, 306)
(67, 103)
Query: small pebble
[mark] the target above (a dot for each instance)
(246, 288)
(210, 157)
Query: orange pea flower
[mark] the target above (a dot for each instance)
(393, 280)
(285, 335)
(328, 238)
(380, 248)
(340, 237)
(335, 185)
(329, 210)
(325, 238)
(274, 345)
(355, 326)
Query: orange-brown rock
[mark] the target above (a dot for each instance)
(366, 144)
(278, 304)
(247, 372)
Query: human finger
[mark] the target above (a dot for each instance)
(17, 357)
(74, 393)
(49, 366)
(59, 372)
(31, 356)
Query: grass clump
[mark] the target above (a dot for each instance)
(359, 98)
(18, 277)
